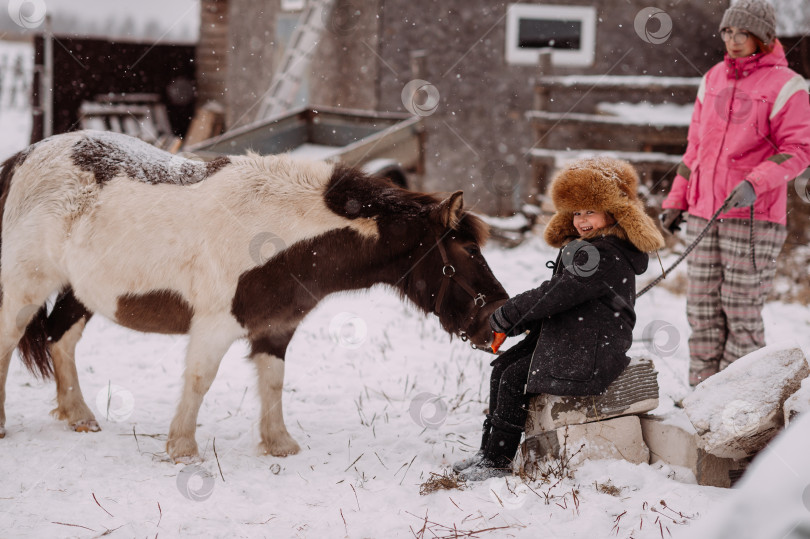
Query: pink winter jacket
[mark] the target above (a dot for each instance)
(751, 122)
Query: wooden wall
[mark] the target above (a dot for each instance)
(212, 51)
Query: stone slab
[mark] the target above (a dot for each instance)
(737, 411)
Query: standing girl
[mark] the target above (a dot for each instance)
(749, 136)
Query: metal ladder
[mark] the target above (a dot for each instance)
(297, 58)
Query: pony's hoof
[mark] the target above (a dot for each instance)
(280, 448)
(182, 450)
(2, 432)
(86, 426)
(188, 459)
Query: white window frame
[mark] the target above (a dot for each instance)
(582, 57)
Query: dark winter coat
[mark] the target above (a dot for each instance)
(581, 320)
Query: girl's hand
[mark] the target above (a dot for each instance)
(741, 196)
(671, 219)
(498, 321)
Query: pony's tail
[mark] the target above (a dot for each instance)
(6, 173)
(47, 329)
(33, 347)
(9, 168)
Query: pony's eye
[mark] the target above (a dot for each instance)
(472, 250)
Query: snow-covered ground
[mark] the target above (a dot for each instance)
(376, 394)
(378, 397)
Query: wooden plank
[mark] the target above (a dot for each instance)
(545, 118)
(130, 126)
(555, 157)
(208, 121)
(94, 122)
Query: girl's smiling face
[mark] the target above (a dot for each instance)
(586, 221)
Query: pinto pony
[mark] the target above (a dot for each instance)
(159, 243)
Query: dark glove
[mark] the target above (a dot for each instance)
(671, 219)
(740, 196)
(499, 322)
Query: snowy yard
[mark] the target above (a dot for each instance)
(378, 397)
(358, 370)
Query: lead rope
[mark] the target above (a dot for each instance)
(697, 240)
(684, 254)
(751, 239)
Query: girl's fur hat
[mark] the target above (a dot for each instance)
(601, 184)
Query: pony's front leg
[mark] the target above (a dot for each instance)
(276, 440)
(208, 343)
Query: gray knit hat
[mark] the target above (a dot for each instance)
(755, 16)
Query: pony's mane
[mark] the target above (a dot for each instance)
(468, 225)
(474, 226)
(371, 196)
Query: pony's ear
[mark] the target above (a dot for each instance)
(450, 209)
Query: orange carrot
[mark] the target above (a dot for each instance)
(497, 341)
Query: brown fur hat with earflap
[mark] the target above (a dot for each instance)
(601, 184)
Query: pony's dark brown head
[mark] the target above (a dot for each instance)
(429, 249)
(459, 285)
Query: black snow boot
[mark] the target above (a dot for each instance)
(469, 461)
(502, 444)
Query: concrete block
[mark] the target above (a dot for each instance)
(737, 411)
(635, 391)
(672, 439)
(618, 438)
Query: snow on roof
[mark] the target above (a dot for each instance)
(627, 119)
(653, 113)
(153, 21)
(638, 81)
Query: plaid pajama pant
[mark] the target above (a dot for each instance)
(725, 295)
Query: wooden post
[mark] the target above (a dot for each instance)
(418, 65)
(542, 99)
(36, 90)
(541, 93)
(46, 97)
(212, 52)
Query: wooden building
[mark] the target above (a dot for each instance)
(478, 55)
(478, 63)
